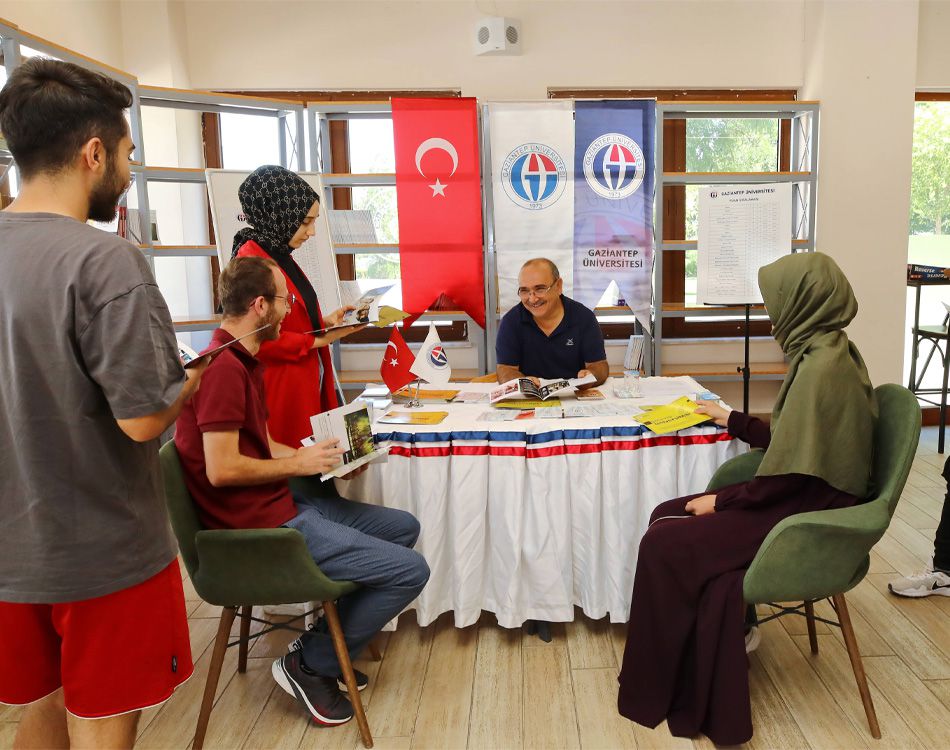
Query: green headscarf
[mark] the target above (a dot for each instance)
(823, 420)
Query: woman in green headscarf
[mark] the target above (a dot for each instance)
(685, 655)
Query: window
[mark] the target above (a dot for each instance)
(929, 241)
(357, 146)
(703, 145)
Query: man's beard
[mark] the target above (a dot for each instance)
(104, 198)
(272, 321)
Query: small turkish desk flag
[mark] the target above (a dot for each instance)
(397, 359)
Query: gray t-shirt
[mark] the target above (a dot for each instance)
(85, 339)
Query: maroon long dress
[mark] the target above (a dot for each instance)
(685, 658)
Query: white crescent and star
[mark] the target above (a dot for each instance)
(441, 144)
(393, 362)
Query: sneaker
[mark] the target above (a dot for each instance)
(319, 695)
(929, 582)
(752, 639)
(361, 679)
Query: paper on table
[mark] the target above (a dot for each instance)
(413, 417)
(676, 416)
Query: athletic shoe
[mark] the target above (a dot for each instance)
(929, 582)
(361, 679)
(752, 639)
(319, 695)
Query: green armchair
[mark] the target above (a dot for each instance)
(822, 555)
(239, 568)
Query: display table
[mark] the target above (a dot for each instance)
(527, 519)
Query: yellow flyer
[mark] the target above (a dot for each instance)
(426, 395)
(413, 417)
(523, 403)
(672, 417)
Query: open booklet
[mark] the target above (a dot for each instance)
(547, 388)
(369, 311)
(352, 426)
(190, 358)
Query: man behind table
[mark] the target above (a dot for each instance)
(548, 335)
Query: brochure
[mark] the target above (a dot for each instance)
(409, 393)
(672, 417)
(471, 397)
(369, 312)
(413, 417)
(190, 358)
(351, 425)
(526, 387)
(524, 403)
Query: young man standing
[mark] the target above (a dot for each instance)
(91, 605)
(237, 475)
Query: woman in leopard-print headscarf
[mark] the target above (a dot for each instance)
(282, 209)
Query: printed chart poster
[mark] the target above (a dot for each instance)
(532, 155)
(741, 228)
(613, 202)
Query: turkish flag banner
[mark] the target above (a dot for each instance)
(397, 359)
(438, 197)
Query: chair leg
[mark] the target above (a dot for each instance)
(343, 656)
(214, 672)
(851, 642)
(810, 617)
(245, 634)
(374, 652)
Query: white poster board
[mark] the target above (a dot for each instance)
(315, 257)
(741, 228)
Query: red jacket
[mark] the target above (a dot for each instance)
(292, 372)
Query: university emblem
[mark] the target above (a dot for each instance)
(534, 176)
(614, 166)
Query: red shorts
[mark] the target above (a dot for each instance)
(111, 655)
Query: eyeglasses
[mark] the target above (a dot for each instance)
(289, 299)
(537, 291)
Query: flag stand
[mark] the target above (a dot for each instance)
(414, 403)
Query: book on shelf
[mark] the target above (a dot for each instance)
(352, 426)
(352, 227)
(541, 391)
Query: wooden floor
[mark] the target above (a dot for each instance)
(486, 687)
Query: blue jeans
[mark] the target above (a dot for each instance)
(366, 544)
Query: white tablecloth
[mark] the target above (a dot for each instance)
(527, 519)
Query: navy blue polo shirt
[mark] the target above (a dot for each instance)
(576, 341)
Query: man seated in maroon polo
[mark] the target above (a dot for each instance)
(237, 475)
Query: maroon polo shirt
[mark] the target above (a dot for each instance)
(231, 397)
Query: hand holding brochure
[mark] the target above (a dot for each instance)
(675, 416)
(526, 387)
(350, 425)
(368, 312)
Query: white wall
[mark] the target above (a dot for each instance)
(90, 27)
(395, 44)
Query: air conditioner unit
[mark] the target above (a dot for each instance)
(495, 35)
